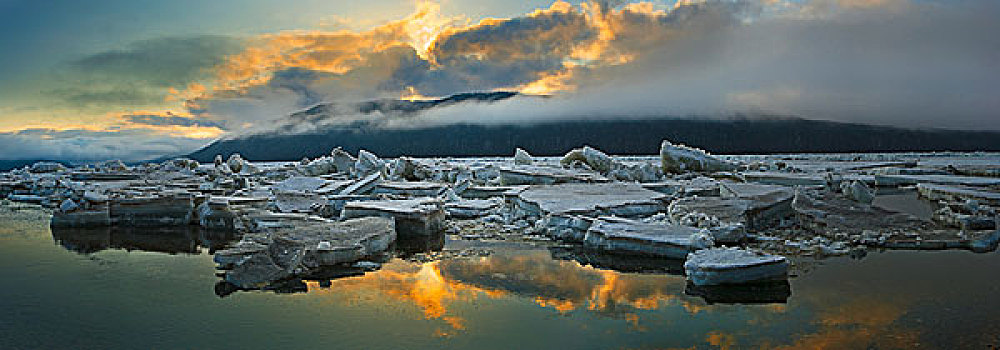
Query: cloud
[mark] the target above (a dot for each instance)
(915, 65)
(890, 62)
(169, 120)
(90, 145)
(164, 62)
(140, 74)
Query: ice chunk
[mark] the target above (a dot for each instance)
(681, 158)
(68, 205)
(47, 167)
(285, 251)
(363, 185)
(521, 157)
(594, 158)
(955, 193)
(472, 208)
(733, 266)
(859, 192)
(94, 216)
(414, 217)
(300, 184)
(216, 214)
(633, 237)
(541, 175)
(235, 163)
(367, 164)
(620, 199)
(167, 210)
(754, 213)
(410, 189)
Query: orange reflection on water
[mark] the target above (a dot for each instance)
(564, 286)
(422, 285)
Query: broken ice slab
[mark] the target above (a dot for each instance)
(27, 198)
(542, 175)
(255, 202)
(410, 189)
(976, 241)
(958, 193)
(472, 208)
(783, 178)
(95, 216)
(681, 158)
(758, 192)
(290, 202)
(760, 210)
(570, 228)
(216, 214)
(300, 184)
(699, 186)
(907, 180)
(484, 192)
(166, 210)
(632, 237)
(593, 158)
(764, 292)
(821, 211)
(719, 266)
(363, 185)
(414, 217)
(88, 176)
(262, 259)
(618, 199)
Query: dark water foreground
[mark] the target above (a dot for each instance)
(143, 290)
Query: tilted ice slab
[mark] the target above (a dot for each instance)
(619, 199)
(784, 178)
(410, 189)
(681, 158)
(733, 266)
(937, 192)
(902, 180)
(542, 175)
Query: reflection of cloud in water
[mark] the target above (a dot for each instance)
(564, 286)
(567, 286)
(420, 284)
(863, 322)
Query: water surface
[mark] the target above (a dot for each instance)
(102, 290)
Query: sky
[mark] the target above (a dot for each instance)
(100, 79)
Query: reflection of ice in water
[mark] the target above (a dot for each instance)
(178, 240)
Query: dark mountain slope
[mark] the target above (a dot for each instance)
(613, 136)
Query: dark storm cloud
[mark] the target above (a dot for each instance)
(140, 74)
(164, 62)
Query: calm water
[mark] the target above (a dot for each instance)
(133, 290)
